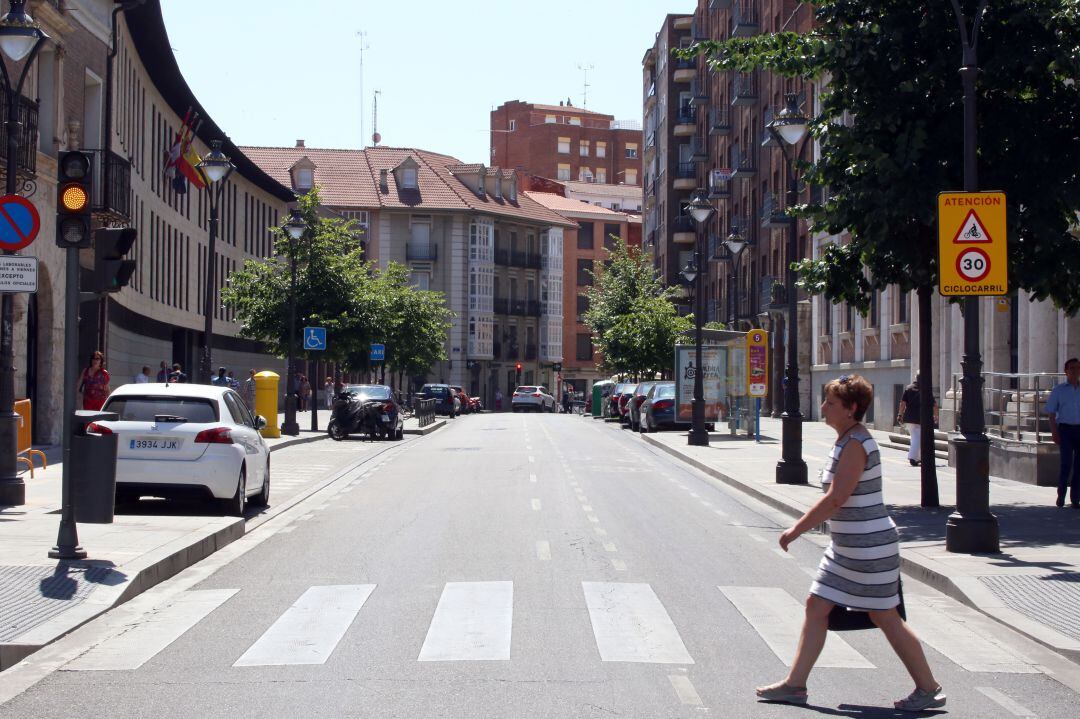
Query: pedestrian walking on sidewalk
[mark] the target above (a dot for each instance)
(163, 373)
(861, 566)
(328, 392)
(143, 377)
(1063, 406)
(908, 416)
(249, 390)
(94, 382)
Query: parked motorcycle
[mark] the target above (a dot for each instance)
(355, 414)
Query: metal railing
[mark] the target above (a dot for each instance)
(111, 197)
(28, 115)
(424, 409)
(501, 306)
(719, 121)
(530, 352)
(687, 115)
(686, 170)
(502, 257)
(744, 88)
(421, 252)
(1013, 403)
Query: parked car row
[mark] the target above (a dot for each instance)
(450, 400)
(647, 406)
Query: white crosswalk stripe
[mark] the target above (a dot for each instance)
(472, 621)
(630, 624)
(954, 637)
(141, 641)
(777, 618)
(309, 630)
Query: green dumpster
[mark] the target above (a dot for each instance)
(600, 392)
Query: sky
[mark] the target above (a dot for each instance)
(270, 72)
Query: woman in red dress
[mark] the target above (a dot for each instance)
(94, 383)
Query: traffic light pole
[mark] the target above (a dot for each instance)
(12, 487)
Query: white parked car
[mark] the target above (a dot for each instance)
(532, 397)
(188, 441)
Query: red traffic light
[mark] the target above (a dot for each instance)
(518, 366)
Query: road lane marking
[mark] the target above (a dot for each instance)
(305, 517)
(777, 618)
(543, 551)
(536, 504)
(619, 565)
(757, 538)
(600, 531)
(954, 638)
(532, 478)
(685, 690)
(593, 518)
(1006, 703)
(532, 458)
(781, 552)
(630, 624)
(152, 632)
(586, 508)
(287, 530)
(610, 547)
(309, 630)
(720, 513)
(473, 621)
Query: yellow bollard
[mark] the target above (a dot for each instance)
(266, 402)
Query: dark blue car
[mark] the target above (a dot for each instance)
(658, 409)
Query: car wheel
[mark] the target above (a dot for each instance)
(262, 499)
(336, 431)
(235, 506)
(400, 434)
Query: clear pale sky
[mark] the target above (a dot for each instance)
(272, 71)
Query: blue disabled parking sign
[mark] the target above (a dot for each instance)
(378, 353)
(314, 338)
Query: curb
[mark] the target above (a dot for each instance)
(313, 437)
(437, 424)
(966, 590)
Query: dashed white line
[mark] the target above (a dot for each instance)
(536, 504)
(685, 690)
(586, 507)
(782, 553)
(610, 547)
(600, 531)
(1006, 703)
(532, 458)
(620, 565)
(532, 478)
(593, 518)
(543, 551)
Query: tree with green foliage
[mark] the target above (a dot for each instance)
(634, 322)
(890, 137)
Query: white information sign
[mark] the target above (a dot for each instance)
(18, 273)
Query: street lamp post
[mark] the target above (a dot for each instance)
(735, 242)
(20, 38)
(295, 229)
(788, 129)
(700, 210)
(972, 527)
(216, 168)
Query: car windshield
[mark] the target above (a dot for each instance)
(141, 408)
(664, 391)
(369, 391)
(643, 388)
(525, 390)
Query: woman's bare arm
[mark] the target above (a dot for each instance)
(848, 470)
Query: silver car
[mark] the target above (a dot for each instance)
(532, 397)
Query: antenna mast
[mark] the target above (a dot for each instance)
(585, 89)
(363, 46)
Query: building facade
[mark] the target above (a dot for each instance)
(464, 230)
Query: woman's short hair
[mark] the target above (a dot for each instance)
(852, 391)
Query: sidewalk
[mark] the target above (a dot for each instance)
(1033, 585)
(43, 599)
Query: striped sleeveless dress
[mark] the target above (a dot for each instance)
(861, 566)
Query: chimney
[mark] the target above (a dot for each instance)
(383, 181)
(299, 143)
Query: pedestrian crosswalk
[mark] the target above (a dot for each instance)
(474, 621)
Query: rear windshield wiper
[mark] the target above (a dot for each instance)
(169, 418)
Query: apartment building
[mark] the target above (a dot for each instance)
(465, 230)
(566, 143)
(585, 247)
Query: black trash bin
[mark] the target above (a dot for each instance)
(93, 469)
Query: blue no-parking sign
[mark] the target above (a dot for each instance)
(19, 222)
(378, 353)
(314, 338)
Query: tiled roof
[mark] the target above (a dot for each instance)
(600, 188)
(575, 208)
(350, 179)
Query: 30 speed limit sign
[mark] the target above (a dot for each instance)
(972, 247)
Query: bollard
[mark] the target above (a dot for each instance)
(266, 402)
(93, 468)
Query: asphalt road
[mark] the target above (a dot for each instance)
(514, 566)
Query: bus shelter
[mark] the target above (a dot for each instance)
(735, 373)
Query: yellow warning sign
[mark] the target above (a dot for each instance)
(972, 244)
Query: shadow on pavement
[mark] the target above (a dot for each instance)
(1019, 526)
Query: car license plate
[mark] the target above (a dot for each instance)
(385, 418)
(155, 443)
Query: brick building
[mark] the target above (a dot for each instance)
(564, 142)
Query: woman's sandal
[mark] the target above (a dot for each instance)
(920, 700)
(783, 693)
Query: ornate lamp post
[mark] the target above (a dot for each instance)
(700, 210)
(20, 38)
(789, 129)
(216, 167)
(735, 242)
(295, 229)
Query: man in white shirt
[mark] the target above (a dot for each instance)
(143, 376)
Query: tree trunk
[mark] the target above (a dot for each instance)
(928, 461)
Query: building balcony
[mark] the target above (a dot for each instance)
(530, 352)
(699, 92)
(719, 121)
(745, 20)
(501, 306)
(697, 30)
(772, 296)
(772, 213)
(28, 148)
(533, 261)
(699, 150)
(743, 163)
(719, 189)
(744, 89)
(650, 97)
(683, 231)
(685, 122)
(685, 71)
(502, 257)
(111, 187)
(421, 253)
(513, 352)
(496, 351)
(768, 139)
(685, 176)
(683, 23)
(719, 4)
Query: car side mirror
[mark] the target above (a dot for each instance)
(260, 421)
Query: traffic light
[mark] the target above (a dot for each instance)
(517, 369)
(111, 270)
(557, 367)
(74, 193)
